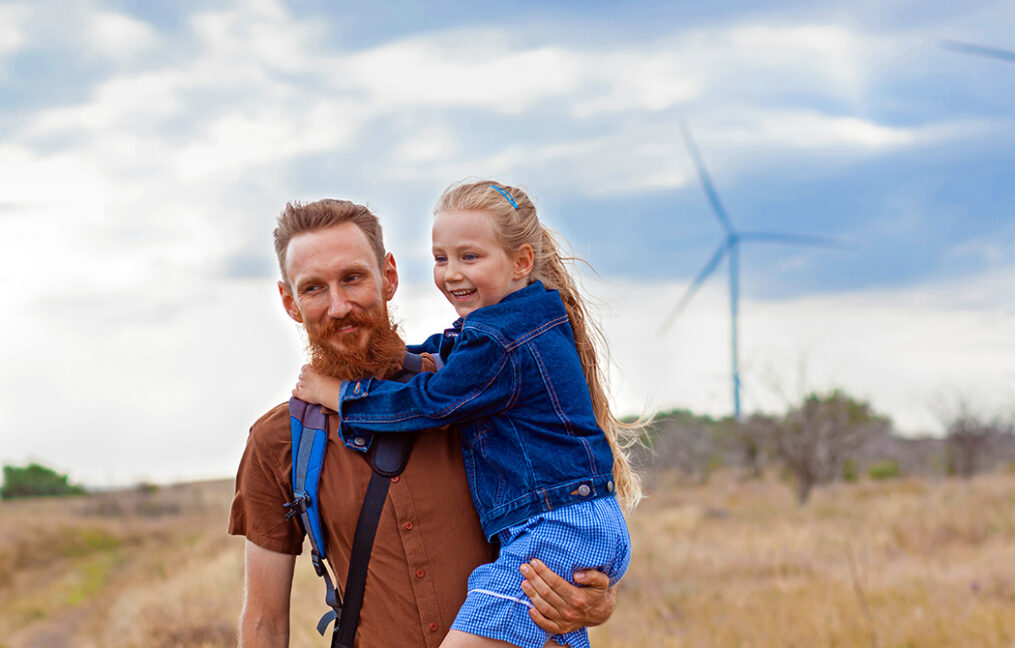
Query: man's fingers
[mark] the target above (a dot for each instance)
(546, 624)
(539, 590)
(592, 578)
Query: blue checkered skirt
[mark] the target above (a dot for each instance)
(587, 535)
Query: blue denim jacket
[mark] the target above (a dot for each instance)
(513, 384)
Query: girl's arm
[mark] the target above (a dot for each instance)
(431, 345)
(478, 380)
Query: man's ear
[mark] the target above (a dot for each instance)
(389, 276)
(289, 302)
(524, 261)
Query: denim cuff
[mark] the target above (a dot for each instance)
(352, 390)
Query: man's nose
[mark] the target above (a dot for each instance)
(338, 305)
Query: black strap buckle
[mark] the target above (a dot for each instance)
(296, 507)
(325, 621)
(318, 562)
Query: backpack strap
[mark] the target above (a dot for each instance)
(309, 429)
(359, 558)
(388, 457)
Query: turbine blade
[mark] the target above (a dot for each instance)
(792, 239)
(706, 179)
(703, 274)
(980, 50)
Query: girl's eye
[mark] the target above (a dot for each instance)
(470, 257)
(439, 259)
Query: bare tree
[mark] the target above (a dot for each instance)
(970, 440)
(814, 439)
(678, 440)
(747, 442)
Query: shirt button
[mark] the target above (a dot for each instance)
(584, 490)
(360, 441)
(394, 480)
(420, 573)
(433, 627)
(408, 526)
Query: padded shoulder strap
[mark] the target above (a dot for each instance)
(309, 428)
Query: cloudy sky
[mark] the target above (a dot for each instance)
(146, 148)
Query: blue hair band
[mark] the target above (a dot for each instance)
(506, 195)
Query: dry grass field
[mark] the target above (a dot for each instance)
(893, 564)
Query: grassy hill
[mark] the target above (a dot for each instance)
(899, 563)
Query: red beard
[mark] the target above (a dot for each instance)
(381, 354)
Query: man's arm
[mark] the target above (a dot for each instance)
(559, 606)
(267, 587)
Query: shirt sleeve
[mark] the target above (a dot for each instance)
(479, 379)
(262, 488)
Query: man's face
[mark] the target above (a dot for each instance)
(337, 286)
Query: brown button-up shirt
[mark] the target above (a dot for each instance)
(428, 539)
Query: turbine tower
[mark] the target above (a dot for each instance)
(730, 246)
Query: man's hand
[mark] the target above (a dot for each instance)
(561, 607)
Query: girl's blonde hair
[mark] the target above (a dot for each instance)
(517, 225)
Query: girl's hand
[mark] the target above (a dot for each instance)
(314, 388)
(559, 606)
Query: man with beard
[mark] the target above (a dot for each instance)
(336, 282)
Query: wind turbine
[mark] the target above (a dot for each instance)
(980, 50)
(730, 246)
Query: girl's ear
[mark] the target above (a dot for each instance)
(524, 261)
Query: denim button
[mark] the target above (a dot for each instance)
(584, 490)
(609, 486)
(360, 441)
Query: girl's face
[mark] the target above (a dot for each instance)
(470, 266)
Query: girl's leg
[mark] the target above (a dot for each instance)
(459, 639)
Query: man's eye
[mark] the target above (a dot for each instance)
(353, 278)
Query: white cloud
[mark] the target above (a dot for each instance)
(118, 36)
(12, 19)
(475, 68)
(431, 144)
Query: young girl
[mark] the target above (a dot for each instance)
(523, 382)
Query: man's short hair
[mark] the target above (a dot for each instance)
(299, 218)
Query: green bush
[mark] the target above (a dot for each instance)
(885, 470)
(850, 471)
(33, 481)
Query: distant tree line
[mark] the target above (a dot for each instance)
(35, 480)
(827, 437)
